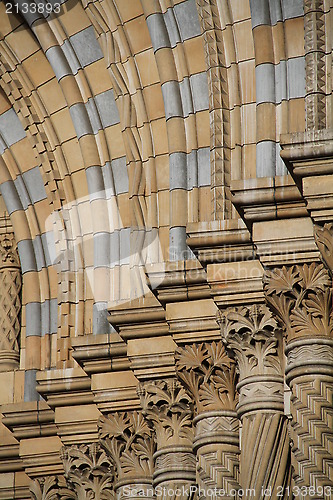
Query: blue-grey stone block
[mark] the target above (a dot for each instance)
(260, 12)
(265, 83)
(80, 120)
(178, 171)
(107, 108)
(172, 100)
(186, 97)
(292, 8)
(296, 77)
(93, 114)
(266, 159)
(172, 28)
(27, 14)
(108, 179)
(58, 61)
(39, 252)
(3, 146)
(114, 248)
(86, 46)
(187, 19)
(275, 10)
(27, 256)
(281, 86)
(71, 57)
(11, 129)
(199, 85)
(102, 250)
(45, 310)
(49, 247)
(22, 191)
(35, 184)
(53, 315)
(33, 315)
(11, 197)
(95, 183)
(100, 319)
(192, 169)
(30, 391)
(158, 32)
(120, 175)
(177, 241)
(125, 245)
(204, 170)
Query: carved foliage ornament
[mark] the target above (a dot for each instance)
(249, 332)
(128, 441)
(324, 239)
(89, 471)
(169, 408)
(50, 488)
(301, 296)
(208, 374)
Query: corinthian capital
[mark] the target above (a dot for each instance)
(169, 408)
(250, 333)
(129, 442)
(209, 375)
(324, 239)
(88, 471)
(301, 296)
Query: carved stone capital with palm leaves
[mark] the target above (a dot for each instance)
(252, 336)
(324, 239)
(129, 443)
(88, 471)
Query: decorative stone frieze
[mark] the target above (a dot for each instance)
(88, 471)
(10, 303)
(129, 443)
(301, 296)
(170, 409)
(209, 376)
(253, 338)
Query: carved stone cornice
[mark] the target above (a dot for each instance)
(324, 239)
(129, 443)
(209, 375)
(301, 296)
(88, 471)
(169, 408)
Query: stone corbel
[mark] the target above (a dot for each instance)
(208, 374)
(301, 297)
(252, 337)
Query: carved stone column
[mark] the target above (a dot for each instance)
(208, 374)
(10, 303)
(88, 472)
(251, 335)
(301, 296)
(169, 409)
(128, 442)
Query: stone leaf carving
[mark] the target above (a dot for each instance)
(50, 488)
(324, 239)
(250, 333)
(8, 251)
(128, 441)
(302, 299)
(169, 408)
(88, 471)
(208, 374)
